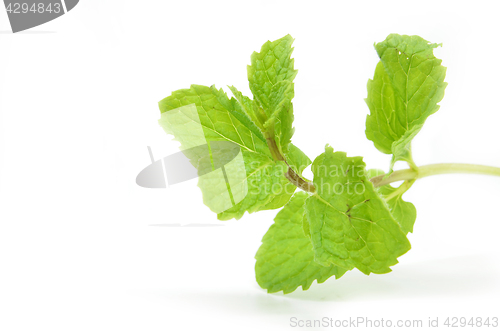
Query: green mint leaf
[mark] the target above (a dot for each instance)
(266, 182)
(271, 82)
(305, 226)
(404, 212)
(253, 180)
(278, 119)
(285, 260)
(215, 118)
(237, 111)
(407, 85)
(250, 108)
(282, 115)
(297, 160)
(350, 224)
(281, 97)
(269, 67)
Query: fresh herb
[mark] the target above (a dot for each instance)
(346, 217)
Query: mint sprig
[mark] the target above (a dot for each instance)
(347, 217)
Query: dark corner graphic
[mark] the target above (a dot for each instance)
(26, 14)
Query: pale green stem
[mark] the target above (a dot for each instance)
(434, 169)
(401, 189)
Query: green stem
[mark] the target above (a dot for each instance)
(434, 169)
(273, 148)
(291, 175)
(299, 181)
(401, 189)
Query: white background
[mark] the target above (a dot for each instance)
(83, 248)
